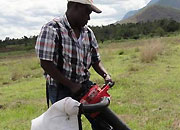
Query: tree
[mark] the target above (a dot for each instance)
(25, 40)
(7, 39)
(172, 26)
(160, 31)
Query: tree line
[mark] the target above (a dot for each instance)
(136, 30)
(116, 32)
(18, 41)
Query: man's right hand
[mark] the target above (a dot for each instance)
(52, 70)
(75, 88)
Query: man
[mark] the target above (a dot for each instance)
(67, 48)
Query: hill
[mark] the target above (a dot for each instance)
(153, 12)
(130, 13)
(133, 12)
(169, 6)
(152, 2)
(169, 3)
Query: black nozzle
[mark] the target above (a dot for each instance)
(91, 108)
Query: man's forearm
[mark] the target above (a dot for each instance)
(51, 69)
(99, 68)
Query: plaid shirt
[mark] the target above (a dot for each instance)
(58, 42)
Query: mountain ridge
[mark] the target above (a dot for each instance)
(133, 12)
(155, 10)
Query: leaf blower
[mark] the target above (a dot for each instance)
(95, 100)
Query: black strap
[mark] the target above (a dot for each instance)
(60, 63)
(90, 38)
(91, 47)
(60, 58)
(47, 93)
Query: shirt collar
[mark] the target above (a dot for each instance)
(66, 22)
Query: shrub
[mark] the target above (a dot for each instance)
(137, 49)
(133, 68)
(150, 51)
(121, 52)
(15, 76)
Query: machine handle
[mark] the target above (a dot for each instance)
(91, 108)
(110, 84)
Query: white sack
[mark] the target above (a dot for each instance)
(62, 115)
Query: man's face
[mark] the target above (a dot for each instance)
(83, 15)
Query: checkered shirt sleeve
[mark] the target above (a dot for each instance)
(45, 44)
(95, 53)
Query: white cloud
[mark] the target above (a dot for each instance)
(107, 11)
(25, 17)
(100, 22)
(133, 5)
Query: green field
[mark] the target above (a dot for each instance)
(146, 95)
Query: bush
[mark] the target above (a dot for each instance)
(151, 50)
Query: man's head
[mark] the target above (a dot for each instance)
(79, 11)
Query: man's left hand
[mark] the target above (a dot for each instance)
(107, 79)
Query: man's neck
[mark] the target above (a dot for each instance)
(72, 23)
(77, 30)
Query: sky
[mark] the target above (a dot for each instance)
(19, 18)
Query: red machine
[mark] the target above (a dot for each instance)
(95, 95)
(95, 101)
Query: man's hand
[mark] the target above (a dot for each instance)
(107, 78)
(75, 88)
(52, 70)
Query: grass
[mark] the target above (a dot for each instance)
(146, 94)
(151, 50)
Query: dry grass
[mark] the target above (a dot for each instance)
(176, 124)
(133, 68)
(151, 50)
(15, 76)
